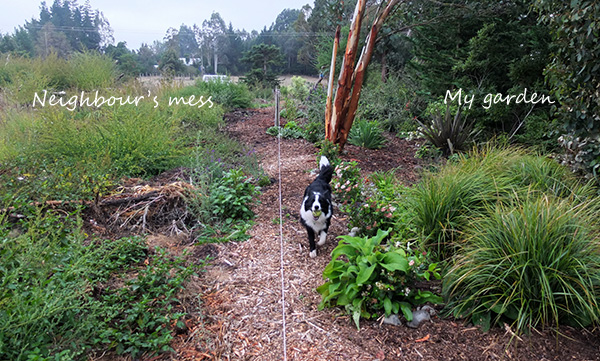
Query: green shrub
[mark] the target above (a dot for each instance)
(366, 134)
(136, 139)
(537, 264)
(314, 132)
(91, 71)
(291, 110)
(298, 89)
(375, 278)
(391, 104)
(225, 92)
(315, 106)
(262, 94)
(347, 185)
(539, 132)
(232, 197)
(21, 78)
(59, 71)
(581, 155)
(329, 150)
(374, 202)
(291, 130)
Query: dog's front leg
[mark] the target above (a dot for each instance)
(322, 237)
(323, 233)
(311, 242)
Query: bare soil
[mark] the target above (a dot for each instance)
(241, 291)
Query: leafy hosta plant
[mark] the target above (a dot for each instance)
(367, 278)
(291, 130)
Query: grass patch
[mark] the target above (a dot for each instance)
(21, 77)
(223, 92)
(45, 151)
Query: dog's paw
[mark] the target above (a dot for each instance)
(313, 254)
(322, 239)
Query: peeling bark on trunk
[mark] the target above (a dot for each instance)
(328, 105)
(351, 80)
(345, 78)
(359, 72)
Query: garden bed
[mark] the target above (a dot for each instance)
(241, 289)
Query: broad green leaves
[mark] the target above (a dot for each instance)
(365, 276)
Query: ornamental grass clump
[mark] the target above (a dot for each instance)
(536, 264)
(446, 203)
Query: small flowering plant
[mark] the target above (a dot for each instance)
(347, 185)
(373, 202)
(367, 278)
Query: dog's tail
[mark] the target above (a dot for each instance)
(325, 169)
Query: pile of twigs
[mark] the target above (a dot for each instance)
(145, 208)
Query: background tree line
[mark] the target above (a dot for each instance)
(424, 49)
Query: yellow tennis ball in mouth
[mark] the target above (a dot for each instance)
(317, 213)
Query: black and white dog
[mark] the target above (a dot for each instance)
(316, 210)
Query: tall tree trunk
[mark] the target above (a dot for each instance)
(345, 79)
(359, 73)
(336, 43)
(351, 80)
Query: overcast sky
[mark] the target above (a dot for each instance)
(143, 21)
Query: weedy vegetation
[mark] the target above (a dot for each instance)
(66, 294)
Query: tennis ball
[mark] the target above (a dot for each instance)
(317, 213)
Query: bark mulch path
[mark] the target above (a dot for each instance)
(241, 288)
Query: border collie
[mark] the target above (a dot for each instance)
(316, 210)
